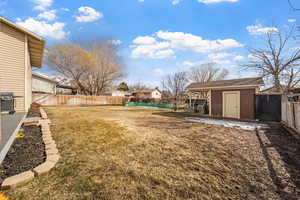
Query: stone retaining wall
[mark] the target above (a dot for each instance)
(52, 157)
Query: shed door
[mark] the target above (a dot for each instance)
(231, 104)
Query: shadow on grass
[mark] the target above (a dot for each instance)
(180, 115)
(288, 147)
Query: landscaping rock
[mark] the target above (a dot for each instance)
(53, 158)
(43, 168)
(51, 151)
(49, 142)
(50, 146)
(13, 181)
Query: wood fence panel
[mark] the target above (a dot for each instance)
(291, 113)
(76, 100)
(297, 116)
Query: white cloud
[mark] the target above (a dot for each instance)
(157, 50)
(258, 29)
(144, 40)
(88, 14)
(216, 1)
(238, 58)
(115, 42)
(174, 2)
(42, 4)
(158, 70)
(251, 56)
(164, 44)
(190, 64)
(217, 56)
(65, 9)
(48, 15)
(198, 63)
(186, 41)
(42, 28)
(292, 20)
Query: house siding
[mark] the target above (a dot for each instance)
(156, 94)
(42, 85)
(12, 65)
(247, 103)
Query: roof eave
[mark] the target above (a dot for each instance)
(225, 87)
(38, 60)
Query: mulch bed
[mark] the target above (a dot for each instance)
(34, 111)
(26, 153)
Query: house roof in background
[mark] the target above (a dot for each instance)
(36, 44)
(63, 86)
(44, 77)
(243, 82)
(145, 91)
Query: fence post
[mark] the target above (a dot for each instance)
(294, 117)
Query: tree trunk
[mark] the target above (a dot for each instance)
(277, 83)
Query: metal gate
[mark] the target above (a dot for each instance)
(268, 107)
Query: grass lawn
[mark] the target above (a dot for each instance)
(136, 153)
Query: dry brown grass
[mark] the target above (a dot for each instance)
(135, 153)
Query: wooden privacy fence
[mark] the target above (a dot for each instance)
(74, 100)
(291, 113)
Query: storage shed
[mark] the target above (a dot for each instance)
(228, 98)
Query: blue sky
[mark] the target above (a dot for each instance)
(157, 37)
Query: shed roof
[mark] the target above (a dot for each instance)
(36, 44)
(243, 82)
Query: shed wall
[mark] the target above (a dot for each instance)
(247, 100)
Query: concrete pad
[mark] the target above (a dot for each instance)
(43, 168)
(14, 181)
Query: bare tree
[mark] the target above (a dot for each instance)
(292, 5)
(278, 59)
(207, 72)
(92, 67)
(175, 84)
(138, 86)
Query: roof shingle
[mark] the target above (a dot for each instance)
(257, 81)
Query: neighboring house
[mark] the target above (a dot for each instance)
(66, 89)
(120, 93)
(283, 89)
(228, 98)
(20, 50)
(147, 94)
(42, 84)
